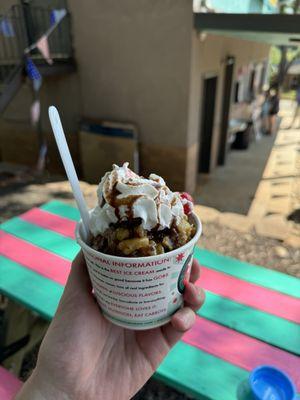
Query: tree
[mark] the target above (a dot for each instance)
(289, 6)
(286, 7)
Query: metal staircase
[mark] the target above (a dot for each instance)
(25, 24)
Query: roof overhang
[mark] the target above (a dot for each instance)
(274, 29)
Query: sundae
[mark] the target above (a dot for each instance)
(139, 217)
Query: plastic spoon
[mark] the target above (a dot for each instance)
(69, 167)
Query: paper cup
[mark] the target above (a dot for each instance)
(142, 292)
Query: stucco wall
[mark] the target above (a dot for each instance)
(134, 62)
(63, 91)
(18, 138)
(5, 5)
(140, 61)
(209, 55)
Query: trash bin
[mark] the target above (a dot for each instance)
(242, 137)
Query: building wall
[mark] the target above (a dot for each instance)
(134, 65)
(140, 61)
(209, 55)
(5, 5)
(19, 139)
(210, 52)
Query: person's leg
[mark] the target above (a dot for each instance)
(274, 123)
(263, 124)
(269, 125)
(296, 113)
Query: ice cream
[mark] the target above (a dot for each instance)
(136, 216)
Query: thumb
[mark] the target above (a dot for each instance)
(78, 280)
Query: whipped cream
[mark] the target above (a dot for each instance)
(124, 195)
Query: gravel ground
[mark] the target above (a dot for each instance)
(255, 249)
(20, 191)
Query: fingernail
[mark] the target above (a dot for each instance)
(188, 317)
(200, 294)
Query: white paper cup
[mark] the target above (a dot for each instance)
(142, 292)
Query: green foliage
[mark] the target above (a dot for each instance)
(290, 95)
(275, 55)
(289, 6)
(281, 57)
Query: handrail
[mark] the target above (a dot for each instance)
(27, 24)
(24, 24)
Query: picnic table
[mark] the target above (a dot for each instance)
(251, 315)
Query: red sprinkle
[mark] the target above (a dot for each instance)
(187, 196)
(187, 207)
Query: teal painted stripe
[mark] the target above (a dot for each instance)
(43, 238)
(186, 368)
(199, 374)
(248, 272)
(238, 317)
(266, 327)
(32, 290)
(62, 209)
(252, 273)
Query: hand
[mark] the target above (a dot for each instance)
(84, 356)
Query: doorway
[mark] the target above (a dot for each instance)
(227, 90)
(251, 84)
(207, 124)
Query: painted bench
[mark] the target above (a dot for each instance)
(251, 315)
(9, 385)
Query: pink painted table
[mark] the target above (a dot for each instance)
(251, 315)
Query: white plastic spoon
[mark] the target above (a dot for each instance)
(69, 167)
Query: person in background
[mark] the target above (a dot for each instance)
(297, 109)
(259, 108)
(273, 110)
(265, 106)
